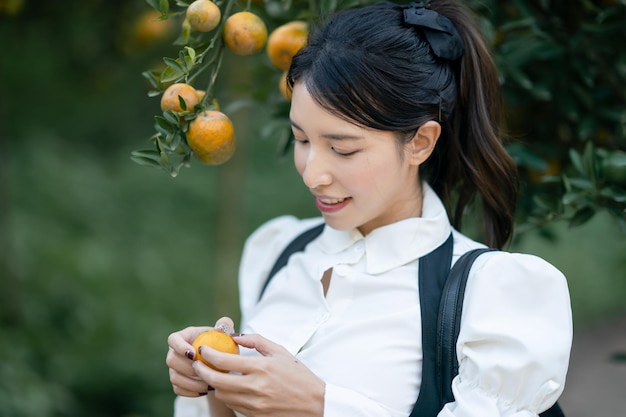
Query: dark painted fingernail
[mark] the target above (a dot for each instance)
(236, 334)
(189, 354)
(210, 388)
(202, 393)
(199, 350)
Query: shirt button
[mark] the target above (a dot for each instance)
(359, 247)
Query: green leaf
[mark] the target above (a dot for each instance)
(576, 161)
(582, 183)
(182, 102)
(613, 193)
(164, 6)
(170, 117)
(146, 157)
(525, 23)
(541, 93)
(165, 161)
(151, 76)
(549, 204)
(239, 104)
(571, 197)
(154, 4)
(525, 157)
(582, 216)
(169, 74)
(273, 127)
(521, 79)
(191, 52)
(174, 64)
(185, 34)
(173, 141)
(589, 161)
(164, 124)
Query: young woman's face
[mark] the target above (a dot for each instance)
(357, 175)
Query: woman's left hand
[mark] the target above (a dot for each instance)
(275, 384)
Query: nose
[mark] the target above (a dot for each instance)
(315, 170)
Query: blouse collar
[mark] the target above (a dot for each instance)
(396, 244)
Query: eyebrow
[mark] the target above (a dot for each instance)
(336, 136)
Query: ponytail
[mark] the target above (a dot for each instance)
(475, 144)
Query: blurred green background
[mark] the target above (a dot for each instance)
(100, 258)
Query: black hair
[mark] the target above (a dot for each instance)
(369, 67)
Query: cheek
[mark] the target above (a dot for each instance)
(376, 176)
(299, 159)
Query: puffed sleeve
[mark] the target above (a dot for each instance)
(515, 339)
(260, 252)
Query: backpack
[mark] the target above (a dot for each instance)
(441, 303)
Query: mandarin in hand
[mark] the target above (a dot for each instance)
(216, 340)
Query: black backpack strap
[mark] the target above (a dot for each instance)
(449, 322)
(449, 326)
(433, 270)
(296, 245)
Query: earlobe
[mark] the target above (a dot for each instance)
(424, 141)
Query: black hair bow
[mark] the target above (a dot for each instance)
(439, 31)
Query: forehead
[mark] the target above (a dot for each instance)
(306, 113)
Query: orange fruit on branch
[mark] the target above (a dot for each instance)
(216, 340)
(211, 137)
(285, 41)
(283, 87)
(203, 15)
(171, 101)
(245, 33)
(149, 29)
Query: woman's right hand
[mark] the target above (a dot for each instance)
(180, 358)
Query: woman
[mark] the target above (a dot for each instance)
(395, 114)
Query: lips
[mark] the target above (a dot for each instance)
(330, 204)
(331, 201)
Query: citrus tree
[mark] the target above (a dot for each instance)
(561, 63)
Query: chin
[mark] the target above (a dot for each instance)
(339, 225)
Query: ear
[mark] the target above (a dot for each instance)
(423, 143)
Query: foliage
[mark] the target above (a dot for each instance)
(562, 74)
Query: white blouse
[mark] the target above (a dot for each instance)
(364, 337)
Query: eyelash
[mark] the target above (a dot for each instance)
(305, 141)
(344, 154)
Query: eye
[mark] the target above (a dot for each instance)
(343, 153)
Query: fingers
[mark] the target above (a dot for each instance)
(225, 324)
(179, 363)
(262, 345)
(218, 380)
(181, 341)
(227, 362)
(187, 386)
(180, 358)
(242, 364)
